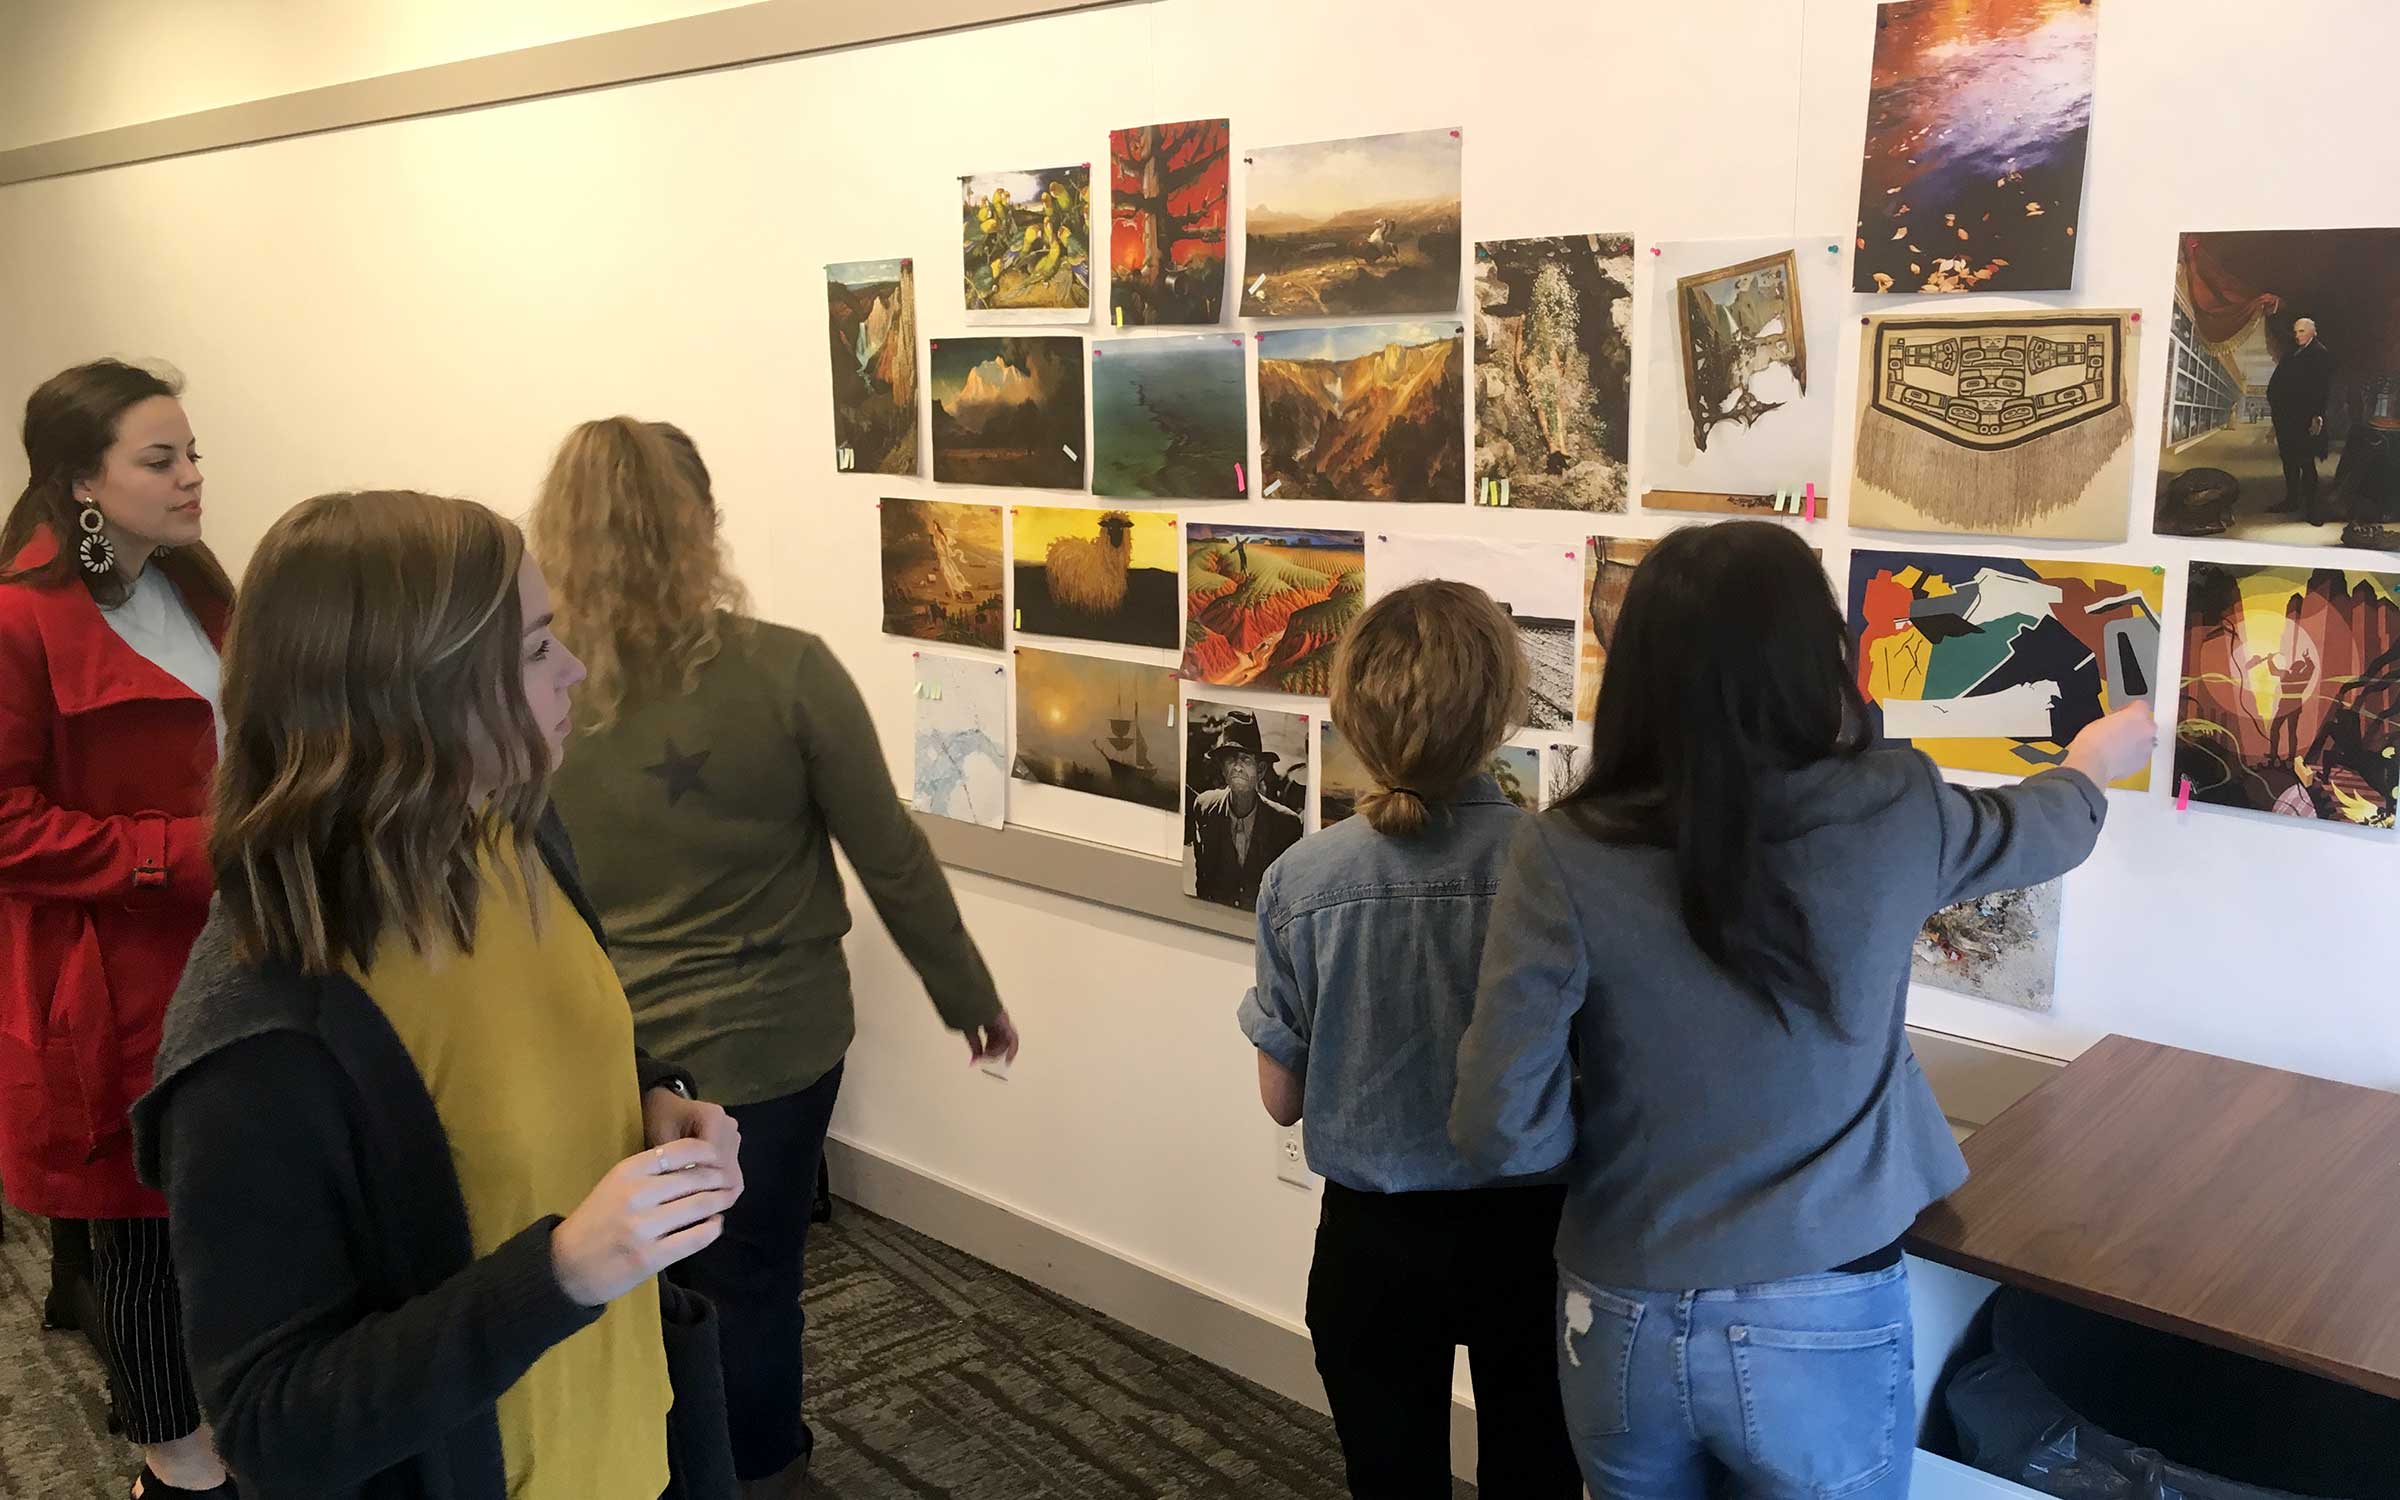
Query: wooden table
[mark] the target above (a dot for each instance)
(2240, 1206)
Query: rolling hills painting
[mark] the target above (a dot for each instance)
(1368, 412)
(871, 318)
(1009, 411)
(1267, 607)
(1367, 226)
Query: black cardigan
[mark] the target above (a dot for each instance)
(346, 1340)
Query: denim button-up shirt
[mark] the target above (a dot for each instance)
(1367, 954)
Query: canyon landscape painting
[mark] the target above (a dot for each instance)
(1369, 412)
(871, 316)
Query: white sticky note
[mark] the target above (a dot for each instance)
(1069, 452)
(1272, 488)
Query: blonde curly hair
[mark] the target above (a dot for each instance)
(626, 533)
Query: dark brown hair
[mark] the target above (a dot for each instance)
(71, 422)
(1428, 683)
(1731, 664)
(378, 641)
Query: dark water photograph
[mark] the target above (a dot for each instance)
(1170, 419)
(1978, 115)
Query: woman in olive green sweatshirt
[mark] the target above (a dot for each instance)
(719, 758)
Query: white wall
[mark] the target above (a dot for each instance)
(434, 302)
(74, 66)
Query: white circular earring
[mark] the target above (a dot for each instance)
(98, 557)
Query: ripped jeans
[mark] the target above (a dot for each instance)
(1801, 1389)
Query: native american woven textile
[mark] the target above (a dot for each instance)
(2001, 384)
(2003, 424)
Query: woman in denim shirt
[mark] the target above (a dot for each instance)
(1718, 921)
(1369, 936)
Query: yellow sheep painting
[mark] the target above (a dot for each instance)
(1096, 575)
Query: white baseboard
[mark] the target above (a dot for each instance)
(1252, 1344)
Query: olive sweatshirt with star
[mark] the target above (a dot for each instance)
(706, 821)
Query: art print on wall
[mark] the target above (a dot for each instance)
(1978, 116)
(1009, 411)
(2291, 692)
(1997, 423)
(1362, 227)
(1167, 200)
(2002, 947)
(1608, 564)
(1170, 419)
(1740, 407)
(1996, 663)
(1245, 797)
(1094, 724)
(1027, 243)
(942, 576)
(2283, 390)
(1372, 412)
(1097, 575)
(871, 318)
(1553, 371)
(1535, 582)
(1517, 771)
(1267, 607)
(961, 739)
(1564, 765)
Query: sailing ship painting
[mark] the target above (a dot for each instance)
(1088, 724)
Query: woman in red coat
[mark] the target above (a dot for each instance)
(111, 613)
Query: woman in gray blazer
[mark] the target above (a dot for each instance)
(1718, 922)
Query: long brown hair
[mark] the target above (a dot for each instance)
(71, 422)
(1428, 683)
(378, 640)
(1731, 665)
(626, 530)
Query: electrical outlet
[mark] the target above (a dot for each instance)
(1291, 1158)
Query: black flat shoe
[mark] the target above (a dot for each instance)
(150, 1487)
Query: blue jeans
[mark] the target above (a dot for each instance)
(1790, 1390)
(755, 1275)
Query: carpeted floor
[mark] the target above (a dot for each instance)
(931, 1374)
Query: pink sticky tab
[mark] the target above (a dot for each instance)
(1812, 502)
(2183, 795)
(1241, 484)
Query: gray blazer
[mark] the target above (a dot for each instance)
(1709, 1146)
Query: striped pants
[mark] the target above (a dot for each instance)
(140, 1336)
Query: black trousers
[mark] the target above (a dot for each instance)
(1400, 1281)
(2297, 447)
(755, 1273)
(140, 1337)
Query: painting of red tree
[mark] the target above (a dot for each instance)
(1167, 188)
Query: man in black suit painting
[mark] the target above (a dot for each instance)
(2296, 397)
